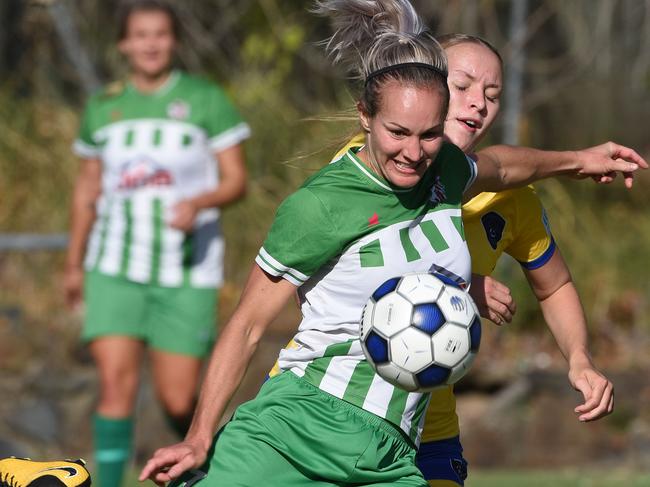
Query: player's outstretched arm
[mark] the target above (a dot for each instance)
(501, 167)
(560, 304)
(230, 358)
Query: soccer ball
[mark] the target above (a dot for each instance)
(420, 331)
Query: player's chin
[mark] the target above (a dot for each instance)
(406, 180)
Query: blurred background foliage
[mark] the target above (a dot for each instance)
(586, 80)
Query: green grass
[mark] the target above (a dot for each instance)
(559, 478)
(529, 478)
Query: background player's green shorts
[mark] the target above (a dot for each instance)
(177, 320)
(293, 434)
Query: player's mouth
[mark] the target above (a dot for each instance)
(408, 168)
(470, 124)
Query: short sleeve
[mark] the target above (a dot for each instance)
(301, 240)
(457, 169)
(473, 172)
(224, 125)
(85, 146)
(532, 244)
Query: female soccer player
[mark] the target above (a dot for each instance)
(327, 418)
(161, 153)
(513, 222)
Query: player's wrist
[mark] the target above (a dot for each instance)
(73, 265)
(579, 358)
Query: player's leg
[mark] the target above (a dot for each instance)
(181, 327)
(442, 463)
(118, 363)
(115, 310)
(176, 379)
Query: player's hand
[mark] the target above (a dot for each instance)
(172, 461)
(183, 215)
(596, 389)
(73, 284)
(604, 161)
(493, 299)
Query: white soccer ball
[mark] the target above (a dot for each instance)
(420, 331)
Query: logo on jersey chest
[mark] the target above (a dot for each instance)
(178, 110)
(144, 171)
(438, 192)
(493, 224)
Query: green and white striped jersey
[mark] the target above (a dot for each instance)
(340, 236)
(157, 149)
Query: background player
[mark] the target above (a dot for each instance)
(161, 153)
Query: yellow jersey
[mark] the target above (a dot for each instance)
(512, 222)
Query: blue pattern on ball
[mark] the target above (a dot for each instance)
(385, 288)
(428, 317)
(377, 348)
(433, 375)
(447, 280)
(475, 334)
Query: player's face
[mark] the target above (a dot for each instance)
(149, 42)
(406, 134)
(475, 81)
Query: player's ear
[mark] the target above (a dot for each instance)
(364, 118)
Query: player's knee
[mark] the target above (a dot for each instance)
(177, 406)
(117, 388)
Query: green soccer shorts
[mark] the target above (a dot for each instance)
(178, 320)
(293, 435)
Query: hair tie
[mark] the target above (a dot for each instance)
(395, 67)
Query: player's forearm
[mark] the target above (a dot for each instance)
(82, 217)
(232, 180)
(236, 345)
(518, 166)
(565, 318)
(228, 192)
(228, 364)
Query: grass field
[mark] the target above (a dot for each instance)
(562, 478)
(532, 478)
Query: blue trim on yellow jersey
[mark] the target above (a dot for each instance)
(442, 460)
(542, 259)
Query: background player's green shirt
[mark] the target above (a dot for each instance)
(341, 235)
(157, 149)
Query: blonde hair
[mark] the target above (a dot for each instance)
(372, 36)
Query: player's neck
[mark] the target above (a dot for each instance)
(146, 83)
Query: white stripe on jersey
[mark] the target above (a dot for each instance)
(140, 260)
(308, 346)
(290, 274)
(411, 403)
(85, 151)
(338, 374)
(230, 137)
(114, 241)
(378, 397)
(171, 257)
(95, 241)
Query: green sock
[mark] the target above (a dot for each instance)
(112, 439)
